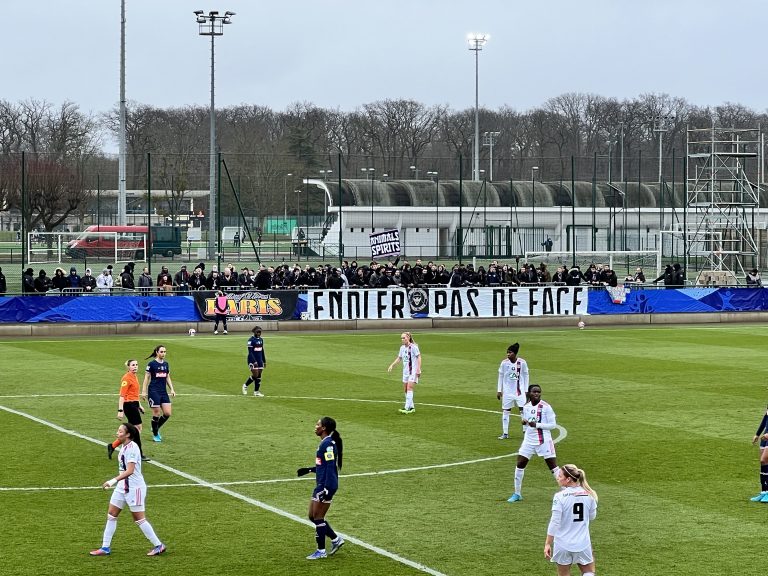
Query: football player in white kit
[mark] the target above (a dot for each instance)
(410, 356)
(129, 488)
(573, 508)
(539, 420)
(511, 387)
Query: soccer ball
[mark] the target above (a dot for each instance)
(192, 331)
(581, 324)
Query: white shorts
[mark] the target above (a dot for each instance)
(528, 449)
(134, 498)
(509, 400)
(412, 379)
(567, 558)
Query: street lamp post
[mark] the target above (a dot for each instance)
(476, 43)
(415, 172)
(285, 199)
(489, 139)
(432, 174)
(534, 169)
(212, 25)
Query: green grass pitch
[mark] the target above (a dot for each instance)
(660, 418)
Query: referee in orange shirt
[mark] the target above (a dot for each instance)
(128, 405)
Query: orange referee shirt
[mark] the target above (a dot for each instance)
(129, 387)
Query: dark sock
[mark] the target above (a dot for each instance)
(155, 426)
(249, 381)
(163, 419)
(764, 477)
(320, 533)
(257, 383)
(329, 531)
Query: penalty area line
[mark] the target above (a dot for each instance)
(238, 496)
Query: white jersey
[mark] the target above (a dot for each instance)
(513, 377)
(130, 453)
(410, 356)
(572, 510)
(544, 417)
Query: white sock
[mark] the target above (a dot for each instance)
(109, 531)
(587, 574)
(149, 532)
(554, 471)
(409, 400)
(519, 473)
(505, 422)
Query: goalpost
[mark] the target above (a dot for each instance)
(623, 262)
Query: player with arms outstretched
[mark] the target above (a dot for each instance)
(511, 386)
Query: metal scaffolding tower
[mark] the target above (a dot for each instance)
(722, 200)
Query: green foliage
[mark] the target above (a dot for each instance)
(644, 408)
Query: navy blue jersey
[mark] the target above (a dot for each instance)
(326, 471)
(256, 350)
(158, 372)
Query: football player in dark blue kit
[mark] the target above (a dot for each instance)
(257, 361)
(157, 387)
(326, 469)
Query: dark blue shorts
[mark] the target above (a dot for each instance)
(763, 443)
(323, 494)
(158, 397)
(258, 363)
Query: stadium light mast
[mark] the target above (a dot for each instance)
(212, 25)
(476, 43)
(121, 194)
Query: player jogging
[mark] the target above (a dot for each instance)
(539, 420)
(157, 387)
(410, 356)
(257, 361)
(511, 386)
(573, 508)
(130, 489)
(128, 405)
(326, 469)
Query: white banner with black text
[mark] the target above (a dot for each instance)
(399, 303)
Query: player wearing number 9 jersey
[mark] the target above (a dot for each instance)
(573, 508)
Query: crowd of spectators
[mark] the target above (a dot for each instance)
(349, 275)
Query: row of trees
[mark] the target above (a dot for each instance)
(261, 146)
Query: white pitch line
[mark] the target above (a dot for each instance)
(252, 501)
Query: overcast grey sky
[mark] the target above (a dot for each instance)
(344, 53)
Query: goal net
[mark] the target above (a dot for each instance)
(62, 247)
(623, 262)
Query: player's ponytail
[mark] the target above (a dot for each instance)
(330, 426)
(154, 352)
(132, 431)
(580, 477)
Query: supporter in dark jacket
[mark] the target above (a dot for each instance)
(28, 281)
(263, 279)
(544, 276)
(145, 281)
(668, 276)
(3, 283)
(575, 277)
(74, 279)
(126, 278)
(59, 281)
(88, 281)
(197, 280)
(181, 279)
(560, 276)
(678, 276)
(443, 276)
(42, 283)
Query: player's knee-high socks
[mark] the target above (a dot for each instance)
(148, 531)
(505, 422)
(109, 531)
(329, 531)
(162, 420)
(409, 400)
(155, 425)
(256, 384)
(764, 477)
(320, 529)
(249, 381)
(519, 473)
